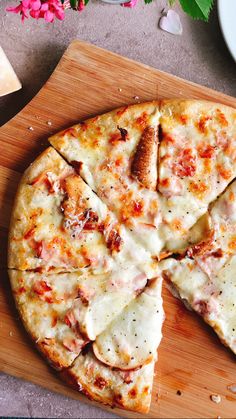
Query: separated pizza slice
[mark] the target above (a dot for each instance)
(206, 278)
(116, 153)
(63, 312)
(60, 224)
(119, 369)
(197, 161)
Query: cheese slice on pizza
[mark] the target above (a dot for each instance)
(197, 161)
(206, 278)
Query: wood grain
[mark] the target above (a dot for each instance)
(87, 81)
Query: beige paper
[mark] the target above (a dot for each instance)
(9, 81)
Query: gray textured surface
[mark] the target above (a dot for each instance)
(35, 48)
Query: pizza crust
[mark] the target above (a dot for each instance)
(126, 390)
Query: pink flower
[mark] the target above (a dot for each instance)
(131, 3)
(46, 9)
(81, 5)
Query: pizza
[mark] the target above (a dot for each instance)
(116, 205)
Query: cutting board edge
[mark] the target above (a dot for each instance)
(76, 42)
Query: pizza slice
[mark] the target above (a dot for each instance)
(119, 368)
(62, 312)
(116, 154)
(206, 278)
(60, 224)
(130, 390)
(196, 162)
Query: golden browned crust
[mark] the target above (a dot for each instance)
(109, 391)
(144, 164)
(127, 111)
(190, 108)
(54, 353)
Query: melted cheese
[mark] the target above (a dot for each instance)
(103, 298)
(132, 339)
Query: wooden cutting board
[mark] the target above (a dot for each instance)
(87, 81)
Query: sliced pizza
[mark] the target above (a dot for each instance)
(117, 155)
(206, 278)
(130, 390)
(86, 238)
(63, 312)
(59, 224)
(197, 161)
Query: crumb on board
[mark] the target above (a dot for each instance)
(215, 398)
(11, 333)
(49, 123)
(30, 128)
(232, 388)
(136, 97)
(119, 89)
(179, 393)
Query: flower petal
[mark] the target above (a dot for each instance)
(49, 16)
(44, 7)
(36, 5)
(35, 14)
(16, 9)
(130, 3)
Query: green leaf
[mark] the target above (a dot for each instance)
(197, 9)
(86, 2)
(148, 1)
(171, 2)
(73, 4)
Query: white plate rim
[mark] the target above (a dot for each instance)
(227, 13)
